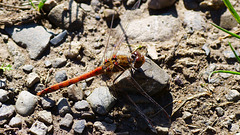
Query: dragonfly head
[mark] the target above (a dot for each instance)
(138, 59)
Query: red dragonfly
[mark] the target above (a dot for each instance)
(117, 63)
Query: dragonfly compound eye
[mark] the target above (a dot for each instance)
(138, 59)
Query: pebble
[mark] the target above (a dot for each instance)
(59, 62)
(25, 103)
(31, 36)
(38, 128)
(162, 130)
(63, 106)
(150, 77)
(227, 21)
(79, 126)
(3, 96)
(234, 128)
(47, 102)
(194, 21)
(206, 49)
(108, 14)
(230, 54)
(61, 76)
(45, 116)
(160, 4)
(186, 115)
(27, 68)
(101, 100)
(75, 92)
(67, 18)
(211, 130)
(15, 122)
(103, 126)
(233, 95)
(220, 111)
(152, 28)
(32, 79)
(6, 111)
(19, 58)
(66, 121)
(82, 105)
(212, 4)
(48, 5)
(3, 84)
(86, 7)
(59, 38)
(48, 63)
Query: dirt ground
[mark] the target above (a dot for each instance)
(192, 102)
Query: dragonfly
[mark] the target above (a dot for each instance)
(115, 64)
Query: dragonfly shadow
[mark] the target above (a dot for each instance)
(153, 80)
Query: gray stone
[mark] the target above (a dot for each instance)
(59, 62)
(45, 116)
(233, 95)
(32, 79)
(103, 126)
(82, 105)
(79, 126)
(75, 93)
(25, 103)
(6, 111)
(227, 21)
(66, 121)
(230, 54)
(19, 58)
(65, 17)
(3, 83)
(3, 95)
(48, 63)
(150, 77)
(109, 13)
(194, 21)
(61, 76)
(47, 102)
(101, 100)
(27, 68)
(160, 4)
(152, 28)
(186, 115)
(59, 38)
(38, 128)
(63, 106)
(234, 128)
(15, 122)
(206, 49)
(31, 36)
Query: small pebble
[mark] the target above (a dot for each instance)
(48, 63)
(82, 105)
(3, 96)
(79, 126)
(206, 49)
(63, 106)
(61, 76)
(27, 68)
(2, 84)
(66, 121)
(186, 115)
(162, 130)
(59, 62)
(32, 79)
(47, 102)
(59, 38)
(220, 111)
(45, 116)
(38, 128)
(15, 122)
(233, 95)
